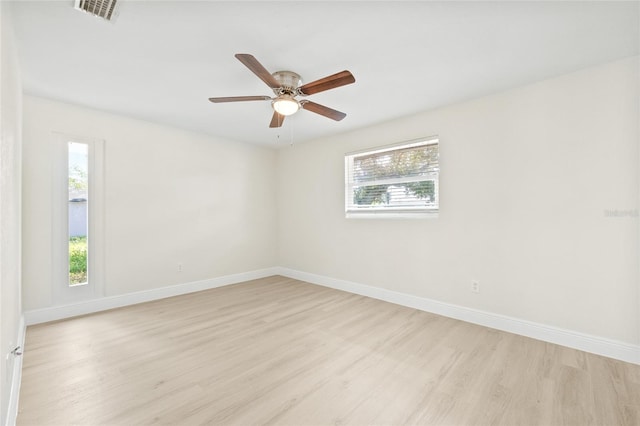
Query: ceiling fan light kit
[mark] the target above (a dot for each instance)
(286, 85)
(285, 105)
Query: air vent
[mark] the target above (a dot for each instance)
(101, 8)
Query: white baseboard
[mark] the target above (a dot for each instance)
(53, 313)
(594, 344)
(572, 339)
(16, 378)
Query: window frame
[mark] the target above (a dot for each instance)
(64, 293)
(391, 212)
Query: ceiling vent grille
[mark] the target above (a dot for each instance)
(101, 8)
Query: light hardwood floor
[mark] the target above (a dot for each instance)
(280, 351)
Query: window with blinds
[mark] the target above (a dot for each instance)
(395, 179)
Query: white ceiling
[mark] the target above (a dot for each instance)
(161, 60)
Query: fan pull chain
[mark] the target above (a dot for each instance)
(291, 127)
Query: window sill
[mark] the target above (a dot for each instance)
(392, 215)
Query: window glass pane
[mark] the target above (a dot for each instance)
(403, 162)
(408, 194)
(78, 173)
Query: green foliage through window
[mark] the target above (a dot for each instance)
(77, 260)
(78, 180)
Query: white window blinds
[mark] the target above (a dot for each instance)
(396, 179)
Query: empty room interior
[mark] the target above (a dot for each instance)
(319, 213)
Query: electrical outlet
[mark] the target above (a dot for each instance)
(179, 267)
(475, 286)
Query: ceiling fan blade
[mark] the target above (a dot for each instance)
(276, 120)
(256, 67)
(239, 99)
(331, 82)
(323, 110)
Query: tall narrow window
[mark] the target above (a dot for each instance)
(78, 213)
(78, 217)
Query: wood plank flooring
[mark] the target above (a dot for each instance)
(277, 351)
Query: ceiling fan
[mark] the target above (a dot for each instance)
(286, 86)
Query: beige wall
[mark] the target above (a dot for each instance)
(172, 196)
(10, 206)
(526, 178)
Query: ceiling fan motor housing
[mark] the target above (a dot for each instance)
(289, 82)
